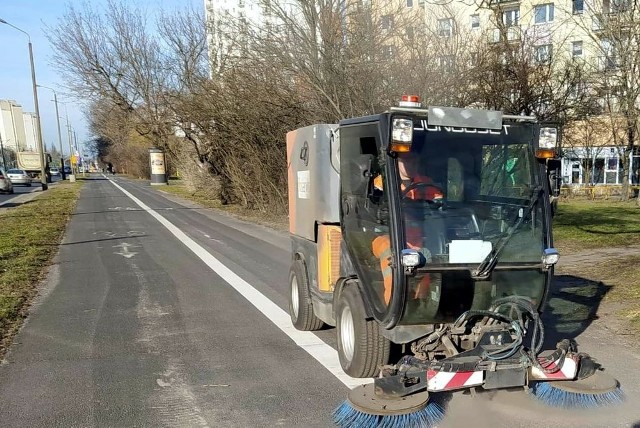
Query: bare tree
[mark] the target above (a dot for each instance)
(613, 30)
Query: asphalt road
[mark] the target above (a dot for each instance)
(20, 192)
(158, 313)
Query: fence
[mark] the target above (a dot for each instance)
(597, 192)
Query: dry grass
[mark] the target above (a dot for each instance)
(278, 222)
(592, 227)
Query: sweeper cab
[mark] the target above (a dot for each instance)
(428, 231)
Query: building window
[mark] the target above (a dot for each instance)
(410, 33)
(615, 6)
(409, 3)
(543, 13)
(511, 17)
(606, 46)
(542, 54)
(387, 52)
(576, 48)
(577, 7)
(386, 22)
(513, 33)
(608, 63)
(445, 27)
(446, 62)
(475, 21)
(495, 35)
(596, 24)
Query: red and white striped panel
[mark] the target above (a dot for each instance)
(447, 381)
(568, 370)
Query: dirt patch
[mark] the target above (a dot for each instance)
(615, 272)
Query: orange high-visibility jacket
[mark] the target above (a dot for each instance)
(381, 245)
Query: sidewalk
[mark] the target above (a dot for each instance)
(596, 255)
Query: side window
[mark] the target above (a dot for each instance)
(358, 159)
(505, 171)
(455, 181)
(368, 147)
(366, 237)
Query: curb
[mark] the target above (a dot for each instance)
(25, 197)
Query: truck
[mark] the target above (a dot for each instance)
(30, 162)
(459, 285)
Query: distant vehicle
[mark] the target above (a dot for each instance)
(30, 162)
(5, 182)
(67, 170)
(54, 171)
(19, 176)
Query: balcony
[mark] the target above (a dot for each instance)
(501, 3)
(608, 63)
(506, 34)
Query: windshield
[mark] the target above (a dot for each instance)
(465, 195)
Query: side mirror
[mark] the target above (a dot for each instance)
(361, 175)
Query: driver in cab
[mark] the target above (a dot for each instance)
(415, 187)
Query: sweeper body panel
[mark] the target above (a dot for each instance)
(427, 230)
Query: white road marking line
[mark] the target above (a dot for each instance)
(308, 341)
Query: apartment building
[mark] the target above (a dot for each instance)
(226, 22)
(573, 30)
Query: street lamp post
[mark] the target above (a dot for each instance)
(43, 172)
(55, 100)
(72, 176)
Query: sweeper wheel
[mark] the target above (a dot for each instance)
(597, 390)
(364, 408)
(365, 400)
(598, 383)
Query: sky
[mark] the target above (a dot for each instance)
(32, 16)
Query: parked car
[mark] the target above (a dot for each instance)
(19, 176)
(6, 186)
(54, 171)
(67, 170)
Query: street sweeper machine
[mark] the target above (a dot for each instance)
(424, 236)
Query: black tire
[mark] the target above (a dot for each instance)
(361, 347)
(300, 307)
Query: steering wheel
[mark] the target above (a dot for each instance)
(422, 185)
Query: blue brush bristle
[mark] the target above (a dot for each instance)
(346, 416)
(556, 397)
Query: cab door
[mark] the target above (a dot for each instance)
(364, 213)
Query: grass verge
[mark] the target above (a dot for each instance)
(616, 282)
(29, 237)
(176, 187)
(580, 225)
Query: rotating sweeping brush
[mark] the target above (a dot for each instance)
(365, 409)
(596, 390)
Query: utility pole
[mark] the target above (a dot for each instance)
(55, 100)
